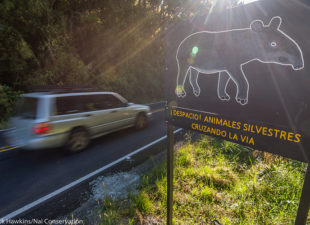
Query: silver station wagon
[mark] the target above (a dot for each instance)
(51, 120)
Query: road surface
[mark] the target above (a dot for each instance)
(28, 176)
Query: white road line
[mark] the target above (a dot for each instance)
(4, 130)
(68, 186)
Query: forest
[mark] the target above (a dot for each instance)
(111, 45)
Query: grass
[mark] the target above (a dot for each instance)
(215, 179)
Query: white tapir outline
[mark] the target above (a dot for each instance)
(196, 89)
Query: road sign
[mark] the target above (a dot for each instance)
(243, 75)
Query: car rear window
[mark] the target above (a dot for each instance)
(26, 107)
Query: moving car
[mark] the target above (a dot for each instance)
(51, 120)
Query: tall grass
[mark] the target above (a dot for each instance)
(220, 180)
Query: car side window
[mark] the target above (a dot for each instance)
(67, 105)
(93, 102)
(109, 101)
(86, 103)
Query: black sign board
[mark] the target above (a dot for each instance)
(243, 74)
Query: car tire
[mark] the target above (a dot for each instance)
(78, 140)
(141, 121)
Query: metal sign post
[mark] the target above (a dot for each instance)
(170, 174)
(304, 203)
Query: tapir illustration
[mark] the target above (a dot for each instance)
(226, 52)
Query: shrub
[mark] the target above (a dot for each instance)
(7, 99)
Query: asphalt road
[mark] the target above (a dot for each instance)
(28, 176)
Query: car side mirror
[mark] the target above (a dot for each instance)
(130, 103)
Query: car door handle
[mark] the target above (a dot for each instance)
(88, 115)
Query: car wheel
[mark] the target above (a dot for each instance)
(78, 140)
(141, 121)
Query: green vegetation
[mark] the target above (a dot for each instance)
(7, 98)
(114, 45)
(215, 180)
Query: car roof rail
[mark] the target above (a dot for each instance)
(60, 89)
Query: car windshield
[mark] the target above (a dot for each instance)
(26, 108)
